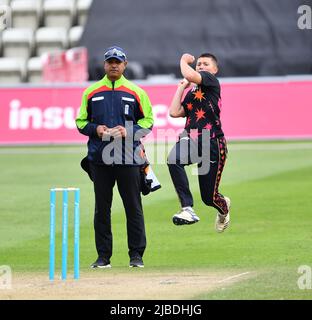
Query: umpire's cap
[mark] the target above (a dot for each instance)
(115, 52)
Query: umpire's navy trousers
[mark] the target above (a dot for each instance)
(129, 187)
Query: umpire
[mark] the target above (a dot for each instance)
(114, 109)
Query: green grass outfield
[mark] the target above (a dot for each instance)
(269, 183)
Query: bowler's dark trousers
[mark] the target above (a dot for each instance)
(208, 182)
(129, 187)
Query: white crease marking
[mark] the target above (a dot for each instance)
(233, 277)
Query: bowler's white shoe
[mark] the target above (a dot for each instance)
(223, 220)
(185, 216)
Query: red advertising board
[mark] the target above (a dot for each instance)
(250, 110)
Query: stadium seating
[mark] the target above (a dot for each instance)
(58, 13)
(26, 13)
(77, 64)
(38, 27)
(12, 70)
(82, 11)
(17, 43)
(34, 69)
(74, 35)
(5, 2)
(65, 66)
(54, 67)
(49, 39)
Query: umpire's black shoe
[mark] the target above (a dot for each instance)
(136, 261)
(101, 263)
